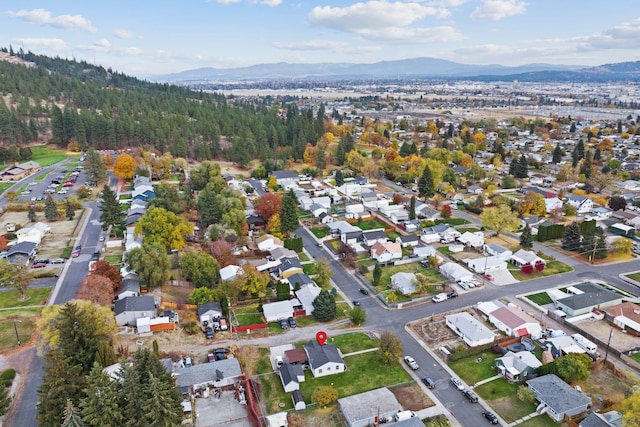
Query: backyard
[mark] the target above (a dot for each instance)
(370, 224)
(475, 368)
(551, 268)
(540, 299)
(385, 279)
(501, 396)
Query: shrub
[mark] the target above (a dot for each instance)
(324, 395)
(8, 374)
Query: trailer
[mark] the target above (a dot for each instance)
(588, 346)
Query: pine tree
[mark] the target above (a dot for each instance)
(571, 237)
(94, 166)
(525, 238)
(557, 154)
(340, 154)
(585, 167)
(324, 307)
(377, 274)
(50, 209)
(522, 168)
(110, 208)
(31, 214)
(339, 178)
(69, 212)
(412, 208)
(580, 149)
(289, 213)
(425, 184)
(72, 416)
(101, 407)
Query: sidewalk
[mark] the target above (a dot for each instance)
(525, 418)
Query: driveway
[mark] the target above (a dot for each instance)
(503, 277)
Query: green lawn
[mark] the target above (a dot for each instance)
(4, 186)
(264, 364)
(469, 229)
(385, 279)
(634, 276)
(542, 421)
(41, 177)
(364, 374)
(308, 269)
(444, 250)
(551, 268)
(248, 315)
(452, 221)
(471, 371)
(636, 357)
(369, 224)
(303, 257)
(113, 259)
(541, 298)
(8, 339)
(10, 298)
(319, 232)
(393, 235)
(273, 394)
(47, 156)
(502, 397)
(348, 343)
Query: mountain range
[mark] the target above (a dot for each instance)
(416, 68)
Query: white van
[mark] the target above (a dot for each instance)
(440, 297)
(404, 415)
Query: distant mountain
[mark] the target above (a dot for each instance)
(622, 71)
(405, 68)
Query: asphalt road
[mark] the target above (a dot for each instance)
(23, 412)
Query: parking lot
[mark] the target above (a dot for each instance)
(59, 182)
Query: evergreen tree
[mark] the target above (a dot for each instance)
(557, 154)
(31, 214)
(72, 416)
(50, 209)
(69, 212)
(377, 274)
(5, 401)
(585, 167)
(339, 178)
(110, 208)
(425, 184)
(572, 129)
(94, 166)
(601, 244)
(101, 407)
(522, 168)
(597, 156)
(412, 208)
(525, 238)
(340, 154)
(580, 149)
(324, 307)
(289, 213)
(571, 237)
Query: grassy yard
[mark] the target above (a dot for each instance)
(471, 371)
(541, 298)
(385, 279)
(452, 221)
(636, 357)
(348, 343)
(303, 257)
(263, 365)
(469, 229)
(47, 156)
(552, 267)
(4, 186)
(8, 339)
(9, 299)
(248, 315)
(634, 276)
(308, 269)
(542, 421)
(501, 396)
(319, 232)
(369, 224)
(274, 396)
(393, 235)
(364, 374)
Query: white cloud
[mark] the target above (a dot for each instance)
(53, 44)
(414, 35)
(498, 9)
(624, 36)
(311, 45)
(44, 17)
(103, 43)
(227, 1)
(121, 33)
(272, 3)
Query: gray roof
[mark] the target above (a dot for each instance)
(206, 372)
(137, 303)
(374, 234)
(288, 263)
(284, 174)
(409, 238)
(368, 405)
(296, 395)
(557, 394)
(289, 373)
(593, 295)
(22, 248)
(320, 355)
(409, 422)
(608, 419)
(131, 285)
(301, 278)
(209, 306)
(497, 248)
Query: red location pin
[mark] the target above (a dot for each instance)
(321, 337)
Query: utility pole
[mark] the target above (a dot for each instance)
(595, 245)
(15, 327)
(606, 354)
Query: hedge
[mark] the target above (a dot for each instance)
(294, 244)
(8, 374)
(550, 232)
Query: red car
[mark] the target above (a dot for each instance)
(488, 276)
(39, 265)
(67, 184)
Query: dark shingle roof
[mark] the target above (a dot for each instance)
(288, 263)
(138, 303)
(374, 234)
(209, 305)
(593, 295)
(300, 278)
(557, 394)
(289, 373)
(320, 355)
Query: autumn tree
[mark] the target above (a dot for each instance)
(445, 211)
(500, 219)
(323, 272)
(324, 395)
(151, 263)
(202, 295)
(97, 289)
(617, 203)
(124, 166)
(3, 243)
(532, 204)
(357, 315)
(268, 205)
(158, 225)
(17, 276)
(252, 282)
(103, 268)
(573, 367)
(200, 268)
(222, 252)
(390, 348)
(630, 409)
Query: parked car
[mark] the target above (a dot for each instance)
(440, 297)
(283, 323)
(429, 382)
(209, 332)
(488, 276)
(221, 350)
(292, 322)
(356, 303)
(457, 383)
(101, 238)
(363, 291)
(452, 294)
(411, 362)
(57, 261)
(490, 416)
(63, 191)
(470, 395)
(39, 265)
(41, 261)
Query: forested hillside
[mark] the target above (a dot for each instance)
(78, 105)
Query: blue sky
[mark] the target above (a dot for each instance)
(163, 36)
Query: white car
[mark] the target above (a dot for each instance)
(63, 191)
(457, 383)
(33, 183)
(411, 362)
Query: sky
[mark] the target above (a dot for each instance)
(166, 36)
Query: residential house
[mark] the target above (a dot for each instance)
(34, 234)
(256, 222)
(424, 211)
(19, 171)
(215, 374)
(129, 288)
(128, 309)
(370, 199)
(291, 376)
(583, 204)
(469, 329)
(517, 366)
(497, 250)
(424, 252)
(472, 239)
(278, 419)
(371, 237)
(317, 209)
(625, 316)
(230, 273)
(324, 201)
(409, 240)
(306, 295)
(325, 218)
(210, 311)
(278, 310)
(324, 359)
(597, 419)
(587, 297)
(486, 264)
(289, 266)
(439, 232)
(267, 242)
(285, 179)
(552, 204)
(405, 283)
(411, 226)
(522, 257)
(561, 345)
(355, 211)
(385, 252)
(299, 279)
(514, 322)
(455, 272)
(600, 213)
(558, 398)
(358, 409)
(21, 253)
(474, 189)
(280, 252)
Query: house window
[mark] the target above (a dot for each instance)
(337, 367)
(320, 370)
(328, 368)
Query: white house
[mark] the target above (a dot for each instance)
(306, 295)
(230, 272)
(317, 209)
(285, 179)
(469, 329)
(523, 257)
(268, 242)
(354, 211)
(552, 203)
(424, 251)
(408, 240)
(583, 204)
(210, 311)
(496, 249)
(455, 272)
(385, 252)
(371, 237)
(324, 359)
(404, 282)
(33, 234)
(324, 201)
(129, 309)
(275, 311)
(484, 264)
(474, 240)
(514, 322)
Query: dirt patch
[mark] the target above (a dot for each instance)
(604, 388)
(505, 241)
(504, 407)
(411, 397)
(601, 329)
(323, 417)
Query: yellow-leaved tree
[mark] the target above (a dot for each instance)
(124, 166)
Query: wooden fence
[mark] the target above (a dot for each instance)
(175, 306)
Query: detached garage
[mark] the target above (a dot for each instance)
(455, 272)
(277, 310)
